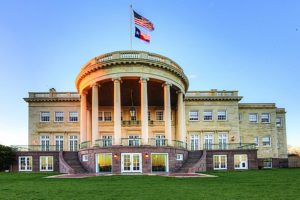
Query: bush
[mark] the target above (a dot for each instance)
(7, 157)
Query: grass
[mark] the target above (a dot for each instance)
(252, 184)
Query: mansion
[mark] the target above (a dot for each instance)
(133, 113)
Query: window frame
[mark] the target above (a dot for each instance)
(63, 117)
(257, 142)
(220, 162)
(204, 115)
(42, 116)
(156, 115)
(268, 160)
(47, 164)
(27, 169)
(279, 124)
(219, 117)
(73, 117)
(240, 158)
(250, 119)
(194, 118)
(270, 141)
(263, 118)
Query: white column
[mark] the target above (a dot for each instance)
(117, 112)
(144, 110)
(95, 113)
(181, 135)
(83, 127)
(167, 112)
(89, 125)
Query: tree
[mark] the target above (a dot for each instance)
(7, 157)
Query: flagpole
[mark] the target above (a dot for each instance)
(130, 26)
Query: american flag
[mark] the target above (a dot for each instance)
(142, 21)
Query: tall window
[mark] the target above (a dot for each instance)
(25, 163)
(59, 142)
(265, 117)
(46, 163)
(44, 142)
(207, 115)
(160, 140)
(73, 143)
(208, 141)
(104, 162)
(222, 115)
(59, 117)
(240, 161)
(105, 116)
(223, 140)
(45, 116)
(278, 121)
(194, 142)
(266, 141)
(194, 115)
(134, 140)
(107, 140)
(256, 141)
(220, 162)
(73, 116)
(159, 115)
(253, 117)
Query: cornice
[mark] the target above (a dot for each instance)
(52, 99)
(214, 98)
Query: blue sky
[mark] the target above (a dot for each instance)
(250, 46)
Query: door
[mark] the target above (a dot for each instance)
(194, 141)
(131, 162)
(223, 140)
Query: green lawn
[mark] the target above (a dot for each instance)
(252, 184)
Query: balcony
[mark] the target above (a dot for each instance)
(103, 143)
(230, 146)
(43, 148)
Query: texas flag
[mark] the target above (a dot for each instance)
(143, 36)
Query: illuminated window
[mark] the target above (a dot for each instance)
(59, 116)
(159, 115)
(253, 117)
(73, 116)
(194, 115)
(45, 116)
(104, 162)
(159, 162)
(220, 162)
(46, 163)
(241, 161)
(25, 163)
(265, 117)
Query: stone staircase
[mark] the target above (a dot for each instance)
(191, 164)
(71, 163)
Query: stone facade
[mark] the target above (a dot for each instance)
(111, 85)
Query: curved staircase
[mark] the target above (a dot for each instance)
(70, 163)
(196, 161)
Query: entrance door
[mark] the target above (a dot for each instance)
(131, 162)
(194, 141)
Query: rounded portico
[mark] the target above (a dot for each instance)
(132, 98)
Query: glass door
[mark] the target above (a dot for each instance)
(194, 141)
(131, 162)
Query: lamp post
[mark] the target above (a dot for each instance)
(132, 109)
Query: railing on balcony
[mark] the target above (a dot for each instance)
(229, 146)
(103, 143)
(131, 142)
(162, 142)
(37, 148)
(84, 145)
(131, 123)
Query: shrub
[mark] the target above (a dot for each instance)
(7, 157)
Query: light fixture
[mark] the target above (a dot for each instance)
(115, 156)
(146, 155)
(132, 109)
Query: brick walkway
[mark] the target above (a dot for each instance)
(177, 175)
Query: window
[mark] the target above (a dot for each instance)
(149, 115)
(25, 163)
(207, 115)
(73, 143)
(266, 141)
(44, 142)
(223, 140)
(134, 140)
(278, 121)
(240, 117)
(220, 162)
(100, 116)
(194, 115)
(107, 116)
(179, 156)
(107, 140)
(73, 116)
(160, 140)
(46, 163)
(265, 117)
(159, 115)
(256, 141)
(222, 115)
(241, 161)
(267, 163)
(208, 141)
(45, 116)
(159, 162)
(85, 158)
(103, 162)
(59, 116)
(253, 117)
(59, 143)
(194, 142)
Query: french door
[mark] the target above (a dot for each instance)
(131, 162)
(194, 141)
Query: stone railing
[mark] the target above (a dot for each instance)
(53, 95)
(211, 93)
